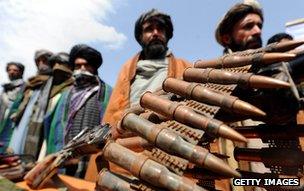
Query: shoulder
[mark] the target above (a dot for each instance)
(181, 61)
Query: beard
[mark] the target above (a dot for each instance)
(156, 49)
(252, 43)
(14, 77)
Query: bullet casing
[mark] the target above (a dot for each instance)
(146, 169)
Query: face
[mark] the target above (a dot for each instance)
(82, 64)
(43, 66)
(285, 40)
(154, 41)
(153, 33)
(13, 72)
(41, 61)
(246, 33)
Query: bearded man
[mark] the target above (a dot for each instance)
(28, 110)
(143, 72)
(8, 96)
(241, 27)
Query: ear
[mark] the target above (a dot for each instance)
(226, 39)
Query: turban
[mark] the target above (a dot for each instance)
(61, 58)
(92, 56)
(42, 52)
(158, 16)
(235, 14)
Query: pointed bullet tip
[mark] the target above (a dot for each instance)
(217, 165)
(243, 107)
(229, 133)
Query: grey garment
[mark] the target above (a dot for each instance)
(10, 91)
(8, 96)
(17, 141)
(87, 116)
(150, 75)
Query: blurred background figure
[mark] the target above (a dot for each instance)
(10, 91)
(280, 37)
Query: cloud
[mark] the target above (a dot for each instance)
(28, 25)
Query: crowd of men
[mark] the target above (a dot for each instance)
(38, 116)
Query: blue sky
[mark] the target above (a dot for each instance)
(108, 25)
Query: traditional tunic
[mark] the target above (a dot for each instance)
(10, 93)
(120, 99)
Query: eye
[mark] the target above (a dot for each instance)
(248, 26)
(148, 28)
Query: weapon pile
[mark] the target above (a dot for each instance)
(177, 125)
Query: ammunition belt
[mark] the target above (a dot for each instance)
(189, 134)
(243, 69)
(139, 186)
(175, 164)
(202, 108)
(226, 89)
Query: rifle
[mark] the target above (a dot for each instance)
(88, 141)
(267, 132)
(271, 156)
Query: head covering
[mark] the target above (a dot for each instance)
(278, 37)
(60, 58)
(17, 64)
(158, 16)
(91, 55)
(42, 52)
(236, 13)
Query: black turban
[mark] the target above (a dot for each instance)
(91, 55)
(158, 16)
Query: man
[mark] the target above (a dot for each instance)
(279, 37)
(29, 110)
(87, 99)
(54, 120)
(148, 68)
(10, 91)
(143, 72)
(241, 27)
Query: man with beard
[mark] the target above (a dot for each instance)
(29, 109)
(143, 72)
(10, 91)
(241, 27)
(86, 101)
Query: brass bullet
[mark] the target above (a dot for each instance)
(204, 95)
(224, 77)
(186, 115)
(172, 143)
(235, 60)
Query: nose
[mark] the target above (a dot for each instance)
(155, 31)
(82, 67)
(256, 30)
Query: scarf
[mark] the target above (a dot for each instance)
(10, 93)
(149, 76)
(86, 108)
(34, 134)
(33, 83)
